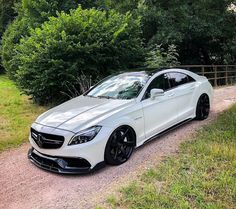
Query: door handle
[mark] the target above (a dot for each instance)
(171, 95)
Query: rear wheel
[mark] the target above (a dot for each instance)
(120, 146)
(203, 107)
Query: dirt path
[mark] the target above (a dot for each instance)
(25, 186)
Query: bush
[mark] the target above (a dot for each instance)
(10, 39)
(7, 13)
(89, 41)
(31, 14)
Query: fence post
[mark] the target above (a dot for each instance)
(215, 75)
(234, 74)
(226, 75)
(203, 70)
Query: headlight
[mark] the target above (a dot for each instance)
(85, 135)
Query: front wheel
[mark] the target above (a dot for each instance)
(120, 146)
(203, 107)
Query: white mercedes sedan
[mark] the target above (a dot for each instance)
(120, 113)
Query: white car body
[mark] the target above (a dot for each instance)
(146, 117)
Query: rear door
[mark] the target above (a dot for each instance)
(184, 87)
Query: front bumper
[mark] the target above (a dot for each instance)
(62, 165)
(92, 151)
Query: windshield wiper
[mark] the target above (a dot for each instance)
(106, 97)
(89, 96)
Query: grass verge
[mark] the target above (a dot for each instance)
(17, 113)
(201, 175)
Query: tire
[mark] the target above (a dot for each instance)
(120, 146)
(203, 107)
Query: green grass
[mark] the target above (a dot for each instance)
(17, 113)
(202, 175)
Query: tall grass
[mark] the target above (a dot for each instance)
(202, 175)
(17, 113)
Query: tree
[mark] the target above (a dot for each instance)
(7, 14)
(203, 31)
(31, 14)
(159, 57)
(121, 6)
(200, 30)
(91, 42)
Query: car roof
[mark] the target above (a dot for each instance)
(148, 71)
(153, 71)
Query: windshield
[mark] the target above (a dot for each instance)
(121, 86)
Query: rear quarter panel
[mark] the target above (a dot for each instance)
(205, 87)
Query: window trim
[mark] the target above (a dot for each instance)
(171, 88)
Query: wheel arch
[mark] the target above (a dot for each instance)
(205, 93)
(107, 155)
(198, 115)
(129, 126)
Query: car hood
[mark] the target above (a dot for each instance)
(81, 111)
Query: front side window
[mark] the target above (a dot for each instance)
(160, 82)
(121, 86)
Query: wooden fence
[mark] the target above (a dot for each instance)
(218, 75)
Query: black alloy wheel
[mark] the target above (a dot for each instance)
(120, 146)
(203, 107)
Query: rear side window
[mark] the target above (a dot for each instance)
(177, 79)
(190, 79)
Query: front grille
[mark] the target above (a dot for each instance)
(47, 141)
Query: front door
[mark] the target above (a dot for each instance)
(159, 113)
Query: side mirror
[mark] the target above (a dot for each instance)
(156, 93)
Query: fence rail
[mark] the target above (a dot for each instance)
(218, 75)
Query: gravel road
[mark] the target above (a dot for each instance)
(25, 186)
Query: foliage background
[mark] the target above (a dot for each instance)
(168, 33)
(90, 41)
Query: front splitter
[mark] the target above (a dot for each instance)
(58, 164)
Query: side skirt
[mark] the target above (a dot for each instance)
(167, 130)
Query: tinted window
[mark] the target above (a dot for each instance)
(177, 79)
(190, 79)
(160, 82)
